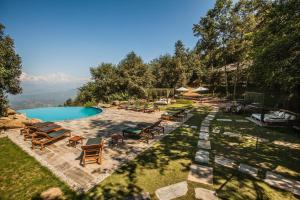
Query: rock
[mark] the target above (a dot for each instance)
(52, 193)
(204, 194)
(115, 103)
(10, 111)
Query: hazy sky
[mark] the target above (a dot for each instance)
(68, 37)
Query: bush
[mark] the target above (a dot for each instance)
(184, 101)
(89, 104)
(120, 96)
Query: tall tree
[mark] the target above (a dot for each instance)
(276, 48)
(180, 59)
(135, 75)
(10, 69)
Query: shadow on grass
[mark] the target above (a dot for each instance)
(177, 147)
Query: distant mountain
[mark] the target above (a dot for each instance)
(41, 99)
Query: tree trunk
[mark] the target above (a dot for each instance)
(236, 80)
(226, 82)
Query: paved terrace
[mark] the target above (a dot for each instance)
(64, 161)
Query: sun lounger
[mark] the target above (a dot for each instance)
(92, 150)
(137, 132)
(281, 117)
(45, 127)
(156, 127)
(42, 138)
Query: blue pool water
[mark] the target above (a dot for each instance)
(54, 114)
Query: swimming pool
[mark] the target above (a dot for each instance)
(54, 114)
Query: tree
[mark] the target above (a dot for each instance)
(135, 75)
(180, 59)
(276, 48)
(10, 69)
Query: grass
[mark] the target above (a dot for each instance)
(265, 156)
(22, 177)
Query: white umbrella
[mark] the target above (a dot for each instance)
(200, 89)
(182, 89)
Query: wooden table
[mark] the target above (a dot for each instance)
(116, 138)
(73, 140)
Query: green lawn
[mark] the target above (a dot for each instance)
(267, 156)
(22, 177)
(167, 162)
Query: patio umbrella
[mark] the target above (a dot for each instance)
(200, 89)
(182, 89)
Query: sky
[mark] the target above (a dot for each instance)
(60, 40)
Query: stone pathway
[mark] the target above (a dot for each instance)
(201, 174)
(247, 169)
(203, 136)
(204, 144)
(205, 194)
(230, 134)
(225, 162)
(281, 182)
(202, 156)
(242, 120)
(224, 120)
(172, 191)
(64, 161)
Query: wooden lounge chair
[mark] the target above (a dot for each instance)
(156, 127)
(33, 125)
(92, 151)
(45, 129)
(137, 132)
(42, 138)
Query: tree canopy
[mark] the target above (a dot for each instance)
(243, 44)
(10, 69)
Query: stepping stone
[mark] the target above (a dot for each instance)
(204, 129)
(202, 156)
(211, 115)
(263, 140)
(225, 162)
(172, 191)
(224, 120)
(185, 126)
(216, 130)
(204, 144)
(194, 127)
(247, 169)
(204, 136)
(281, 182)
(205, 121)
(205, 194)
(201, 174)
(241, 120)
(230, 134)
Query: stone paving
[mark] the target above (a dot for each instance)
(281, 182)
(172, 191)
(64, 161)
(204, 144)
(230, 134)
(201, 174)
(203, 136)
(202, 156)
(205, 194)
(247, 169)
(225, 162)
(224, 120)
